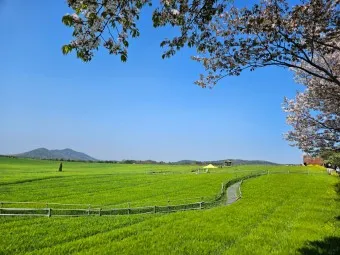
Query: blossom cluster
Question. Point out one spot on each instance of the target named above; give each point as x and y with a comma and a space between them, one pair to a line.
314, 114
271, 33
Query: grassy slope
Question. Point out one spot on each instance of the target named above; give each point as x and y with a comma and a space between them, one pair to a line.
278, 214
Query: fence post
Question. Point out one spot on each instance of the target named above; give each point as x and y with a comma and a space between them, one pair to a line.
88, 210
168, 205
100, 211
49, 212
0, 207
129, 208
200, 205
268, 172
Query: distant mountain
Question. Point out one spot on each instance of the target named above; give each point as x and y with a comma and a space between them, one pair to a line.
68, 154
65, 154
219, 162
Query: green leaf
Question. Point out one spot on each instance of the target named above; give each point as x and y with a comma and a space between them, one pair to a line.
66, 49
123, 58
67, 20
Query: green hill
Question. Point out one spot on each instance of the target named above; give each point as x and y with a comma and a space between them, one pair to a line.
65, 154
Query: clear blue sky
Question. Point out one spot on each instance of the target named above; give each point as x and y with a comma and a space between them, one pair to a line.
147, 108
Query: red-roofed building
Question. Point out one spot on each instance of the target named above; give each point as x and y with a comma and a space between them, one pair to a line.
309, 160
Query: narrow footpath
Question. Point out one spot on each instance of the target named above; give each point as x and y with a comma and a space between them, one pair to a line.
232, 193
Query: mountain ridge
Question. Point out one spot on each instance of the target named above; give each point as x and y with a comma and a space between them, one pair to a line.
65, 154
69, 154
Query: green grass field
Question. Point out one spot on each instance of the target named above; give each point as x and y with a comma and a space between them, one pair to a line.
278, 213
110, 185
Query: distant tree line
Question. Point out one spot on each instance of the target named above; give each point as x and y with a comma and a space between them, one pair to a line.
79, 160
7, 156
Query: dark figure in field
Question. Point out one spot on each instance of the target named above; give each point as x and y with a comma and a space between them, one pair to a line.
61, 167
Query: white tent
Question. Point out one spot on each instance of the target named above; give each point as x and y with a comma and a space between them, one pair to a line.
210, 166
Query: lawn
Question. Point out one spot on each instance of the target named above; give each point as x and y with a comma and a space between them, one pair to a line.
278, 213
107, 185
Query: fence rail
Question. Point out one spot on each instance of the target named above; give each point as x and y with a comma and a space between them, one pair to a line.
91, 210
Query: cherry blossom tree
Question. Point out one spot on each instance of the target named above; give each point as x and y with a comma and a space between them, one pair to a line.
271, 33
315, 112
228, 39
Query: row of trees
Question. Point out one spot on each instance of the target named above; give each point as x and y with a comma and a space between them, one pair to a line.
229, 40
7, 156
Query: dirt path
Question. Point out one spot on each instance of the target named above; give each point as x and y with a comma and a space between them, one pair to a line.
232, 193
